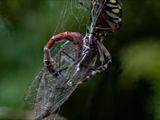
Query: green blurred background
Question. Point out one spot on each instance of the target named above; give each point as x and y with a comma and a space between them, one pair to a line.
128, 90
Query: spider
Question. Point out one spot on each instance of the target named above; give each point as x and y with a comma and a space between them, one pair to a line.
106, 17
77, 58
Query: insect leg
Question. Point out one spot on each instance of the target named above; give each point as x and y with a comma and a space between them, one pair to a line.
71, 36
76, 60
62, 52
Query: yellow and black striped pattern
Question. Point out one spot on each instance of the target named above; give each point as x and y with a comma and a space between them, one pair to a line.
106, 14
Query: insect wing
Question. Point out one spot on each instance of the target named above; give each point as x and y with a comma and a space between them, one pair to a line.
31, 96
53, 98
43, 91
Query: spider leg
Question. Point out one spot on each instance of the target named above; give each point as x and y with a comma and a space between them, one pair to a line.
87, 67
84, 6
98, 70
112, 29
71, 36
101, 55
105, 51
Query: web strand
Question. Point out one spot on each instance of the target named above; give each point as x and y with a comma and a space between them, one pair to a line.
73, 16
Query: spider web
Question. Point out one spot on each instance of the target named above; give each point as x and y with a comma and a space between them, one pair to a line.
73, 16
42, 91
